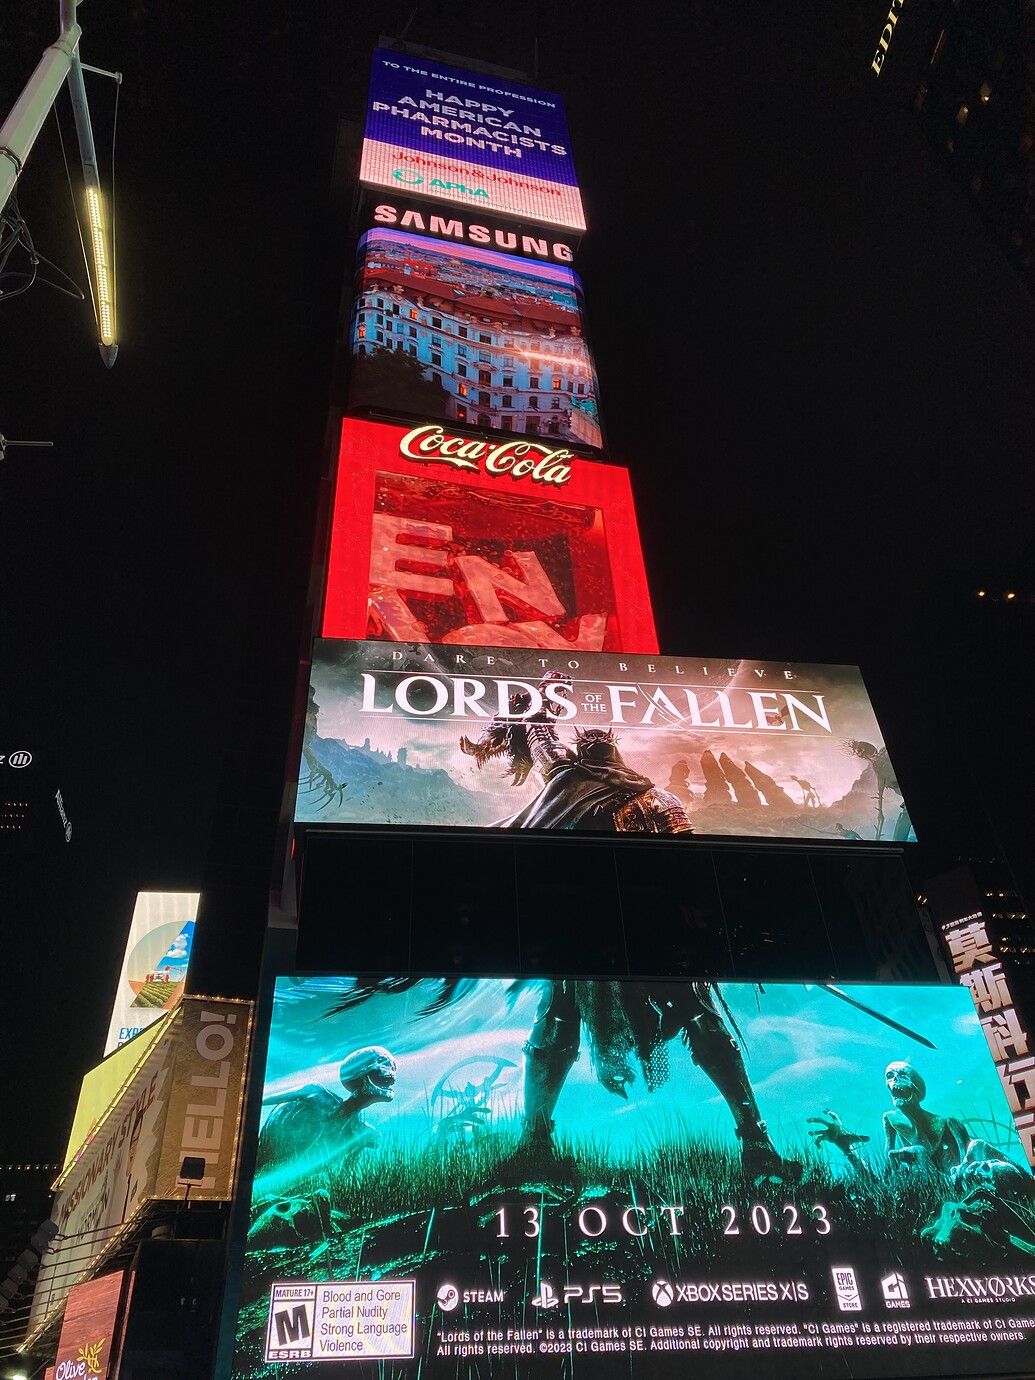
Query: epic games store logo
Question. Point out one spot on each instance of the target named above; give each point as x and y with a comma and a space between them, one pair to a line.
846, 1286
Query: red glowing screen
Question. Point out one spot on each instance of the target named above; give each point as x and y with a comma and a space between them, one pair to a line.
474, 539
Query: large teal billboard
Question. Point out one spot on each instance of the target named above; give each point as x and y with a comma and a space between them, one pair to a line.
574, 1177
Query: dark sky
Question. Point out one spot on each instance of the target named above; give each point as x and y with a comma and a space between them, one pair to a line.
812, 358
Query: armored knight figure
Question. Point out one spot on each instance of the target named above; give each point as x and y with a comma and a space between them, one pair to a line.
628, 1022
316, 1123
588, 788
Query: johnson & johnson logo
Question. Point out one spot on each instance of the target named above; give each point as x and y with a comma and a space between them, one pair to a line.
429, 445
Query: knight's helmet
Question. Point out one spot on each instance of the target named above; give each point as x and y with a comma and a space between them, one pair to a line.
597, 745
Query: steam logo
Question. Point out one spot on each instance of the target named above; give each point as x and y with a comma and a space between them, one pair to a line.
546, 1298
21, 758
663, 1293
447, 1297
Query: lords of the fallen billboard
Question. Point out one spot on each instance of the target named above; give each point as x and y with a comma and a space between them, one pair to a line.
572, 1177
604, 743
468, 138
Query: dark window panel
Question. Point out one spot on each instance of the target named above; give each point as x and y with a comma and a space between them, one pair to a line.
773, 917
464, 907
672, 913
354, 910
569, 909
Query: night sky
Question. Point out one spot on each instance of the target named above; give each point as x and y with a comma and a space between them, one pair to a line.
812, 357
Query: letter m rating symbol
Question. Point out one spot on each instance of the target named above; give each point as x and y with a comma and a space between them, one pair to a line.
290, 1333
293, 1325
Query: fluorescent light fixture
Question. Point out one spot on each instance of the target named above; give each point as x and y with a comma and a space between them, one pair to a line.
102, 267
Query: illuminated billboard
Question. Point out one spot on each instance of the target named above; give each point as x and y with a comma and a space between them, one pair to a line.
104, 1085
511, 738
154, 966
471, 335
89, 1340
463, 538
182, 1099
479, 141
529, 1177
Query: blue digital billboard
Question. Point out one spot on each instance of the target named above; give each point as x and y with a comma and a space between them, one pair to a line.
472, 139
515, 1178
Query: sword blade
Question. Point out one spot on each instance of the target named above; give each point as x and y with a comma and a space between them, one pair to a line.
877, 1015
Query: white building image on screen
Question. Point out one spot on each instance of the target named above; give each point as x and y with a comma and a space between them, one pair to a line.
505, 345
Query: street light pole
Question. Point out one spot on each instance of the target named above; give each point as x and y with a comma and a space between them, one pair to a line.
18, 133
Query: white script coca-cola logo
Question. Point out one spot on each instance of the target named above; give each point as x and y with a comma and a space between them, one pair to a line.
429, 445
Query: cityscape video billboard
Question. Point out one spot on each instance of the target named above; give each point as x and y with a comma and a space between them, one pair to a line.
475, 140
562, 1177
465, 538
467, 333
512, 738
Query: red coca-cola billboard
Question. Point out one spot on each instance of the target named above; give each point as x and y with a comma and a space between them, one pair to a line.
469, 538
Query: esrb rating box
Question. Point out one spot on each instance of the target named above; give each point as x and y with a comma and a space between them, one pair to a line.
336, 1320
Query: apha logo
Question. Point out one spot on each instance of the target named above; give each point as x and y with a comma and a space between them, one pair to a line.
429, 445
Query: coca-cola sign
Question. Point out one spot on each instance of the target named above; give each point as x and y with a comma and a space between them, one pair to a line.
430, 445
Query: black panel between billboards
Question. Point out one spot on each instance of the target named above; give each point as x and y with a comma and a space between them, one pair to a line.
488, 905
796, 1181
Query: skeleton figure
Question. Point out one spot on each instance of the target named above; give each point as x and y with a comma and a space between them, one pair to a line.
590, 788
914, 1136
317, 1123
634, 1021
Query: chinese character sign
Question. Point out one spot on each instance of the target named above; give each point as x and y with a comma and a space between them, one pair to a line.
979, 968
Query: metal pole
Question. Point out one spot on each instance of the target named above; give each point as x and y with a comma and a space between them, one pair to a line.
22, 126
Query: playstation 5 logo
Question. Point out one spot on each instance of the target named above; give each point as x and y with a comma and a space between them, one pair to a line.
546, 1297
575, 1293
